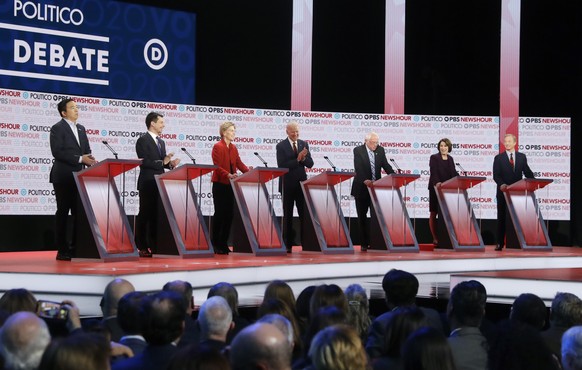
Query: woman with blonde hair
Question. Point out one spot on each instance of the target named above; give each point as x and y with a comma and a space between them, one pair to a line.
338, 347
358, 310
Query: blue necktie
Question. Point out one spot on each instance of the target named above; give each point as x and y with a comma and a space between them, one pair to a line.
159, 145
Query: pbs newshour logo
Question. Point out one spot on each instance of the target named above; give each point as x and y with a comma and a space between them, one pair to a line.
155, 54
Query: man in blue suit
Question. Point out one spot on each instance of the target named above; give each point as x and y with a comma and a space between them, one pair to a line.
508, 168
151, 149
293, 154
71, 151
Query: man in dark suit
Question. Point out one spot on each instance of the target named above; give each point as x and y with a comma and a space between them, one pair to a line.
508, 168
71, 151
293, 154
369, 160
151, 149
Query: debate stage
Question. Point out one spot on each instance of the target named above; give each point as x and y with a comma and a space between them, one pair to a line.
505, 274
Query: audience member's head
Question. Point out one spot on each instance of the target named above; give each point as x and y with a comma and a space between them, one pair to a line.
325, 317
228, 292
87, 351
529, 309
281, 323
23, 339
162, 315
276, 306
400, 288
215, 318
358, 309
16, 300
328, 295
260, 346
116, 289
184, 289
405, 321
566, 310
338, 347
427, 349
198, 357
302, 303
467, 304
128, 310
278, 289
572, 349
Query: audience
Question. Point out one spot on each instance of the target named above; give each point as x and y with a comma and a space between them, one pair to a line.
260, 346
572, 349
228, 292
15, 300
358, 310
566, 312
276, 306
23, 339
129, 320
184, 289
282, 324
86, 351
328, 295
199, 357
529, 309
338, 347
427, 349
111, 296
215, 319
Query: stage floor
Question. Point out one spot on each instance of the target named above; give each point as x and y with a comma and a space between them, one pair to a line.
84, 281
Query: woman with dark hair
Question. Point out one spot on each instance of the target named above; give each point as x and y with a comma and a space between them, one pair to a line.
277, 306
278, 289
427, 349
15, 300
328, 295
87, 351
442, 168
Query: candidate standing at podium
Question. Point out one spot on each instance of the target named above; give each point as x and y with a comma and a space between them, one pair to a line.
442, 168
151, 149
293, 154
72, 152
508, 168
225, 156
369, 160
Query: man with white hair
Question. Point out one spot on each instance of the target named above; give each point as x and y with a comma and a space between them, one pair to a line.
260, 346
23, 339
369, 160
215, 319
572, 349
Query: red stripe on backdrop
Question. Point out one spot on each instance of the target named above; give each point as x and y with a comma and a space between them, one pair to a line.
394, 57
302, 41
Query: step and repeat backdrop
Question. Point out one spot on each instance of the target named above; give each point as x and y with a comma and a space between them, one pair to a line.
409, 140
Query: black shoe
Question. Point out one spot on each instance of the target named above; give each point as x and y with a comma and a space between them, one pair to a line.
289, 250
63, 256
145, 253
221, 251
364, 248
499, 247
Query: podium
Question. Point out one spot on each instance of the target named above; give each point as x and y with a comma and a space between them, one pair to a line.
255, 224
103, 229
527, 230
462, 232
325, 230
183, 231
389, 215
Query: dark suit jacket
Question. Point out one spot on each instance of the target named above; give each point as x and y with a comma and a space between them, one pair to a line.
112, 325
504, 174
469, 349
152, 358
364, 170
137, 345
226, 157
152, 162
67, 151
286, 158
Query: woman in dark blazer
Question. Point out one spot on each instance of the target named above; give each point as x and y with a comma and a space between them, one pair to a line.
442, 168
225, 156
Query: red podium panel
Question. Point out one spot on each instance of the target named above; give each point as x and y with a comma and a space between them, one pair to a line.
256, 217
462, 230
389, 215
188, 233
104, 230
326, 230
528, 230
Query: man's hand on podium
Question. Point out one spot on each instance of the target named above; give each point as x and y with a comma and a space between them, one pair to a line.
88, 160
503, 187
368, 182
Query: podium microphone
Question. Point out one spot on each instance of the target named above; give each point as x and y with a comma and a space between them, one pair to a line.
395, 165
261, 158
461, 168
110, 148
331, 164
189, 155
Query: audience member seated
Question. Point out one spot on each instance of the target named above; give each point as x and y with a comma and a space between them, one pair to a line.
184, 289
276, 306
282, 324
199, 357
228, 292
328, 295
215, 319
128, 316
111, 296
23, 339
529, 309
427, 349
572, 349
16, 300
338, 347
86, 351
302, 307
260, 346
403, 322
465, 311
278, 289
162, 315
358, 310
400, 288
565, 313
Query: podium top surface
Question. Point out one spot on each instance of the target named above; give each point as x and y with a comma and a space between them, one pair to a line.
188, 172
261, 174
529, 185
109, 168
462, 182
395, 180
329, 178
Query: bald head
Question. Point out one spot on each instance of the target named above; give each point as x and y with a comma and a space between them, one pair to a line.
23, 339
260, 345
112, 294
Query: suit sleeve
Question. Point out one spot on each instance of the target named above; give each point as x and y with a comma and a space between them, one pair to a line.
240, 165
285, 160
385, 165
86, 149
141, 149
307, 161
59, 149
497, 170
527, 172
376, 339
216, 158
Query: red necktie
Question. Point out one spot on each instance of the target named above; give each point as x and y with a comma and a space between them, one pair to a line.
511, 161
295, 148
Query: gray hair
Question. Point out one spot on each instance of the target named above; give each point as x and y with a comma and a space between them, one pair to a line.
572, 348
358, 309
371, 135
215, 317
281, 323
566, 310
23, 340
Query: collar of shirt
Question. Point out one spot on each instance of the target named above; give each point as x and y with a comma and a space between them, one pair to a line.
508, 153
370, 152
153, 135
132, 337
291, 143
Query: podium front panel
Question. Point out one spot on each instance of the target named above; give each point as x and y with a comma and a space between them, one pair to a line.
527, 221
260, 214
461, 215
394, 218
